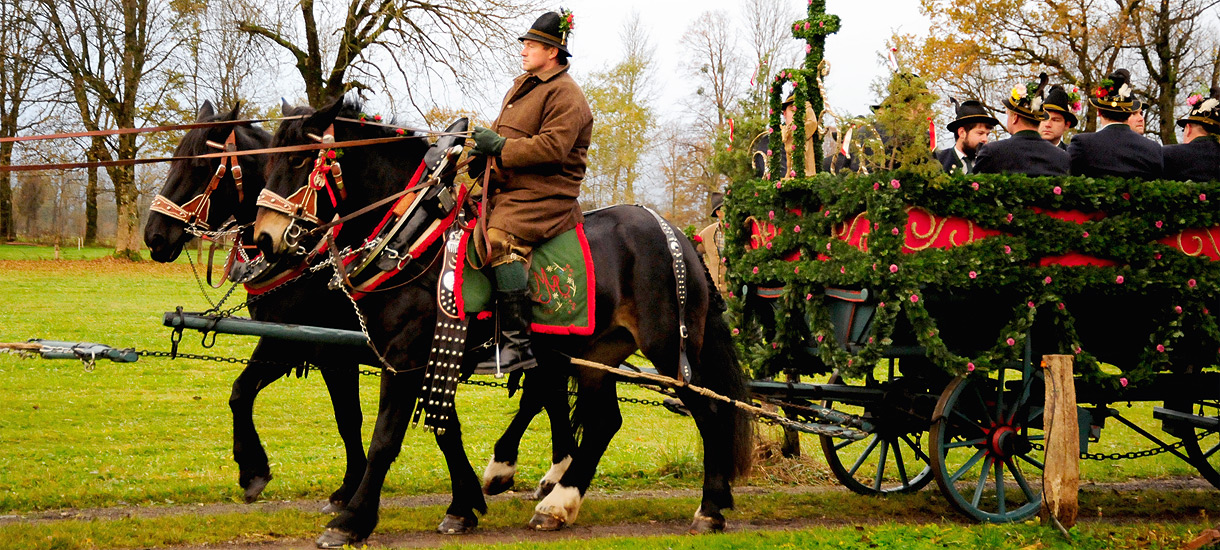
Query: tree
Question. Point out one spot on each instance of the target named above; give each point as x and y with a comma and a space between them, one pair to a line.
107, 52
31, 193
620, 98
716, 66
1171, 36
462, 36
20, 51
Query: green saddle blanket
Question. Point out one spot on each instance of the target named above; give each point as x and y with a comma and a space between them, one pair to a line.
561, 283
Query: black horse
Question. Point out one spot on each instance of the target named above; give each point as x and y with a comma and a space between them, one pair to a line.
305, 301
637, 308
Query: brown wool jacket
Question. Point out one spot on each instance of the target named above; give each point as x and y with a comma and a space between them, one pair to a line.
548, 125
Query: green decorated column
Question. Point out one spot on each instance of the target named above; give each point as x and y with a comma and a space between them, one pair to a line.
808, 87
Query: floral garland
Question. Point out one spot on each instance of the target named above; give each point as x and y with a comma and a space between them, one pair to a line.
808, 212
567, 23
1074, 99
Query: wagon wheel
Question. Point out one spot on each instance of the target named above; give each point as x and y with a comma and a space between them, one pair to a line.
891, 459
983, 443
1202, 445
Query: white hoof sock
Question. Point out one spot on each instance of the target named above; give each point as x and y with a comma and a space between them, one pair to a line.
563, 503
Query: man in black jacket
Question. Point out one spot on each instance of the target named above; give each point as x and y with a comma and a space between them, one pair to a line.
972, 130
1115, 149
1025, 152
1061, 106
1198, 156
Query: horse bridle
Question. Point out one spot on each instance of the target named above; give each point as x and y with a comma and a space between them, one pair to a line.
302, 204
195, 212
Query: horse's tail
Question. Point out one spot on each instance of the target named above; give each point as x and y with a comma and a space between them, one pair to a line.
721, 371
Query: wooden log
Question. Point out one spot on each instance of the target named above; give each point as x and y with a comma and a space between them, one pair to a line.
1061, 478
791, 446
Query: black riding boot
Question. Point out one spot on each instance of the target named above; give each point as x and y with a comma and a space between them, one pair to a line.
514, 312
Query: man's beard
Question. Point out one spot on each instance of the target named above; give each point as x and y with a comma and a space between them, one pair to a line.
969, 150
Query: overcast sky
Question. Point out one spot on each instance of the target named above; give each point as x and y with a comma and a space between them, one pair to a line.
852, 52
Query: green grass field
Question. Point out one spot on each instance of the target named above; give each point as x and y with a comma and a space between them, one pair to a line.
158, 431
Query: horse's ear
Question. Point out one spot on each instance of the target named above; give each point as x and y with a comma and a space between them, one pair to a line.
285, 108
233, 114
206, 110
324, 117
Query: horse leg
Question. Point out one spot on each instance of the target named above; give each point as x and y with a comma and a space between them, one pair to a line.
343, 383
254, 472
467, 494
358, 519
502, 468
598, 414
563, 442
711, 419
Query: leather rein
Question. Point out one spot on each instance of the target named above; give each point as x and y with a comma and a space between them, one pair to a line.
194, 213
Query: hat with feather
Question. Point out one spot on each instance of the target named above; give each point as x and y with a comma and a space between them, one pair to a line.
1204, 110
1114, 93
1027, 99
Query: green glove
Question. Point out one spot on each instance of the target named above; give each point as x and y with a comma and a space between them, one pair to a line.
487, 142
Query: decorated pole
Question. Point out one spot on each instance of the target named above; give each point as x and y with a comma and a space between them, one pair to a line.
807, 88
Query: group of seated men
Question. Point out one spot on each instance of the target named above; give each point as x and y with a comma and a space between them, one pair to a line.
1037, 120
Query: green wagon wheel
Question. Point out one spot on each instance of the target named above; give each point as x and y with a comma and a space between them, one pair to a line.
983, 438
1202, 445
890, 460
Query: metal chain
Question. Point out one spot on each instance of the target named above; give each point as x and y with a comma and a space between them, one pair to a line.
1128, 455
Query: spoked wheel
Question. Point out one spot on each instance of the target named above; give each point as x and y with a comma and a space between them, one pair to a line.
891, 459
983, 439
1202, 445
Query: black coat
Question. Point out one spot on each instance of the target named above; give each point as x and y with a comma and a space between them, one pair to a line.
1115, 150
950, 161
1023, 153
1198, 160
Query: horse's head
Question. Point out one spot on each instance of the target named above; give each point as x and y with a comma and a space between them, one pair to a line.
197, 194
309, 188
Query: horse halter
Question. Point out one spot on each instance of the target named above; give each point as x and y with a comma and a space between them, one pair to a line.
195, 212
303, 203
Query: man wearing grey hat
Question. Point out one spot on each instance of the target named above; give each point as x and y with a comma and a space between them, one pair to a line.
1197, 158
537, 151
1115, 150
1025, 152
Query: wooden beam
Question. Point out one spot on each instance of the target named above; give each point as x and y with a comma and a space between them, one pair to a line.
1061, 478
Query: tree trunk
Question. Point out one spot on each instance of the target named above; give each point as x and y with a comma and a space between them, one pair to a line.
91, 192
127, 229
7, 227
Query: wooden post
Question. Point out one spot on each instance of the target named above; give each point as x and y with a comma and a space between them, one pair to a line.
791, 446
1061, 478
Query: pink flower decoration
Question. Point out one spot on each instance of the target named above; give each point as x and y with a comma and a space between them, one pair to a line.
843, 270
771, 214
1122, 382
806, 25
768, 246
914, 298
1076, 350
774, 345
377, 118
881, 305
1060, 305
1047, 280
731, 295
820, 337
1031, 305
975, 186
1007, 249
330, 154
756, 270
1202, 197
1194, 99
736, 332
796, 229
1160, 348
1008, 218
893, 268
973, 275
876, 186
895, 184
1126, 196
1057, 190
808, 47
770, 152
1157, 256
1177, 309
827, 246
808, 297
779, 185
826, 213
1119, 279
792, 173
796, 270
1158, 224
1010, 341
1192, 283
969, 367
894, 231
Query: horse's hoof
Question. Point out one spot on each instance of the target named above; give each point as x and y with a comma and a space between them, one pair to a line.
544, 489
333, 507
497, 485
457, 525
337, 538
704, 524
545, 522
255, 487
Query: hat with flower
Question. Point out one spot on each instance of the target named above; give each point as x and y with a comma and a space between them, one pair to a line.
1114, 93
1027, 99
552, 29
970, 112
1064, 102
1204, 110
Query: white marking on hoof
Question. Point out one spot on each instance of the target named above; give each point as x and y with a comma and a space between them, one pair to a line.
498, 471
563, 503
556, 472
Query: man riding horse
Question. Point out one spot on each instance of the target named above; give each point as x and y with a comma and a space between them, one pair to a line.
536, 151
